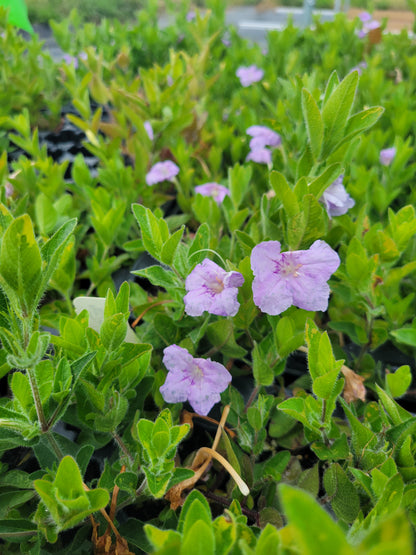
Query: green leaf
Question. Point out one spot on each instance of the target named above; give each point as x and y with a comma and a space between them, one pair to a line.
221, 335
338, 450
154, 230
18, 14
21, 266
113, 331
337, 110
22, 393
323, 386
239, 181
363, 438
397, 413
225, 531
399, 381
344, 497
390, 535
199, 243
331, 85
196, 508
268, 542
362, 121
245, 241
116, 407
295, 407
199, 540
315, 532
12, 499
159, 276
65, 497
17, 529
318, 185
170, 246
405, 335
53, 250
284, 193
262, 372
157, 484
127, 481
389, 501
169, 540
45, 213
314, 123
95, 307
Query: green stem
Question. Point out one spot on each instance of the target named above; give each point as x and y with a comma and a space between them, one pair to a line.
37, 400
69, 305
54, 444
141, 488
323, 418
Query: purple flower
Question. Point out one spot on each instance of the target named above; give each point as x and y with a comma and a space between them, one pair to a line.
369, 24
296, 278
162, 171
211, 288
197, 380
215, 190
387, 155
373, 24
149, 130
263, 136
249, 75
260, 155
68, 59
359, 67
336, 199
365, 17
190, 16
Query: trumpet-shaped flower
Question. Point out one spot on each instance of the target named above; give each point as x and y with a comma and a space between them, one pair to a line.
215, 190
197, 380
336, 199
162, 171
387, 155
263, 136
249, 75
298, 278
211, 288
260, 155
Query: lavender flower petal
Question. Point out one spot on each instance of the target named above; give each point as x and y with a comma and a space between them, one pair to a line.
336, 199
149, 130
249, 75
294, 277
215, 190
162, 171
387, 156
260, 155
212, 289
263, 136
365, 16
200, 381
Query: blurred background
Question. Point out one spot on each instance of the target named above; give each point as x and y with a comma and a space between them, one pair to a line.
40, 11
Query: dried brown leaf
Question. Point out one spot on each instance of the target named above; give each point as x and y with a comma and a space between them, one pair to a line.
354, 387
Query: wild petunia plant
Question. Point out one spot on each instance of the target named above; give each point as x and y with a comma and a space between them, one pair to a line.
154, 400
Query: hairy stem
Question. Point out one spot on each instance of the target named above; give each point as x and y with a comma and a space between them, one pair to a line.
54, 444
122, 446
37, 400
